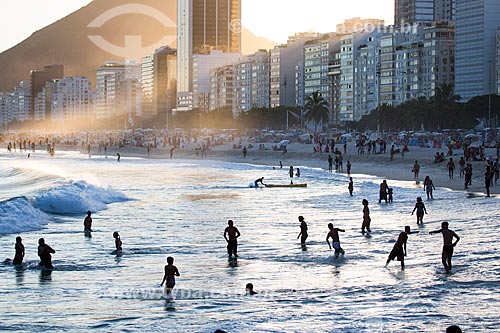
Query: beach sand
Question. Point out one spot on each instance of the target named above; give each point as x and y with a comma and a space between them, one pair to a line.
300, 155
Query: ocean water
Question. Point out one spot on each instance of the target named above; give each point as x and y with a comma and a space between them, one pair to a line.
180, 208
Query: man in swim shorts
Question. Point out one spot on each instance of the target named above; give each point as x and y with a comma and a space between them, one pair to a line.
448, 245
399, 249
334, 235
231, 234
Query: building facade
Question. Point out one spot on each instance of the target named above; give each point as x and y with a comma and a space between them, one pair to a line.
284, 60
412, 11
221, 88
477, 22
71, 98
202, 64
118, 89
251, 82
498, 63
203, 26
38, 78
159, 85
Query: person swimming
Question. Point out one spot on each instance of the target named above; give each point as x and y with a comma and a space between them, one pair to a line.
249, 289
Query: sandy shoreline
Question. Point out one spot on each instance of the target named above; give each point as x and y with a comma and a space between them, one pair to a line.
300, 155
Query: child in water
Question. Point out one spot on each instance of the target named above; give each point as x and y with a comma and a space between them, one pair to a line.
170, 273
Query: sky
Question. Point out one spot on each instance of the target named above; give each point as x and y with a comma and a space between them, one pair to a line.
272, 19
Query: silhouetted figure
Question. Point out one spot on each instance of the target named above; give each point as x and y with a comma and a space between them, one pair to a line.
118, 242
118, 157
366, 217
87, 224
350, 187
19, 247
249, 289
420, 208
453, 329
448, 244
399, 249
303, 231
257, 181
231, 234
334, 235
44, 252
170, 273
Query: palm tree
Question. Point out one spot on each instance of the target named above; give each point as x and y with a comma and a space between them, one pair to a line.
445, 95
316, 108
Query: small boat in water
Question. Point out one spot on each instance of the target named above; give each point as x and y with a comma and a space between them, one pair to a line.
286, 185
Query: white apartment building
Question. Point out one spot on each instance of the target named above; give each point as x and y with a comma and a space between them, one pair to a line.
365, 89
70, 98
251, 82
202, 64
117, 89
221, 88
284, 60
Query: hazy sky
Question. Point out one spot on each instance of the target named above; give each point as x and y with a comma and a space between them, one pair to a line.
273, 19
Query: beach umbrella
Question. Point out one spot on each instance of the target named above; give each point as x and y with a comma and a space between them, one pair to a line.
284, 142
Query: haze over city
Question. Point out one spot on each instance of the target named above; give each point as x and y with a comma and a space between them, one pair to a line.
272, 19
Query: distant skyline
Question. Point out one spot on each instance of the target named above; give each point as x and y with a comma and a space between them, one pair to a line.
22, 17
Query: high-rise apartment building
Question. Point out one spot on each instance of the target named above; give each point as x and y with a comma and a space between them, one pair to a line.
283, 63
251, 82
159, 85
71, 98
221, 88
498, 62
118, 89
411, 11
38, 78
203, 26
202, 64
475, 55
318, 55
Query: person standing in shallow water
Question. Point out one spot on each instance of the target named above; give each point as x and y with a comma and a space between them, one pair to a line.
291, 174
429, 187
399, 249
18, 258
416, 170
44, 252
303, 231
448, 246
334, 235
366, 217
87, 224
350, 187
118, 242
231, 234
170, 273
420, 208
